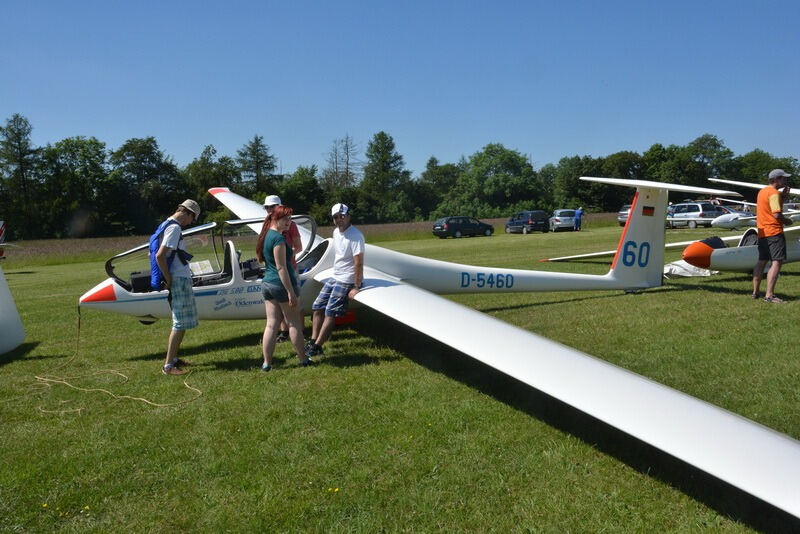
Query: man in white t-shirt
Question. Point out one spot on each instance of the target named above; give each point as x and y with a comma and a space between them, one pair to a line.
174, 265
343, 286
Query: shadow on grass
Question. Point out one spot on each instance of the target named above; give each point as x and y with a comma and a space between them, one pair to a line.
231, 343
713, 492
19, 272
20, 352
548, 303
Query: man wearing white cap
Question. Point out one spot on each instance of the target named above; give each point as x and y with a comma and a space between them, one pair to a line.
292, 237
770, 221
173, 262
347, 279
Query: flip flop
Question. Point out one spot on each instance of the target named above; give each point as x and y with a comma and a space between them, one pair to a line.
775, 300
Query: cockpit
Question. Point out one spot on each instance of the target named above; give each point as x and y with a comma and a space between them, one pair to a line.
235, 241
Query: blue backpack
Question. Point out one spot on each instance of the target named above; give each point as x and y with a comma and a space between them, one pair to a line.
156, 276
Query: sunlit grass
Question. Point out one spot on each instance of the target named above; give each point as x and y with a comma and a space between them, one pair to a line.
392, 431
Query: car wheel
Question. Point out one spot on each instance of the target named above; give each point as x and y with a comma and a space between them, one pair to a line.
692, 225
487, 233
442, 237
508, 230
457, 234
525, 230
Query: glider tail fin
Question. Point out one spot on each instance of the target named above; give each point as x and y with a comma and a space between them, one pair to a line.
639, 260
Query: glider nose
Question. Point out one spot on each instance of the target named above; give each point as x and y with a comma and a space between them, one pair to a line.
698, 254
103, 292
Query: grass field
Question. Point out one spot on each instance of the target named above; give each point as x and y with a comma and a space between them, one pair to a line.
392, 431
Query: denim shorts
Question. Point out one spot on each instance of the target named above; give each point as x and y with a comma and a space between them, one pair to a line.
333, 298
277, 292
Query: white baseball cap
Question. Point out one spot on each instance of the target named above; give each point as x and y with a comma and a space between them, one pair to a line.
272, 200
339, 208
774, 174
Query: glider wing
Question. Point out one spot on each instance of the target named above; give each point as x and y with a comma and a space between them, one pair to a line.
745, 454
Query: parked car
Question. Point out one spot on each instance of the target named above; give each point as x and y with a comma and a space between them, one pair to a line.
694, 214
622, 216
525, 222
562, 219
460, 226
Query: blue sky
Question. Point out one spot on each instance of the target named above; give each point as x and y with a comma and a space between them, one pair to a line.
443, 78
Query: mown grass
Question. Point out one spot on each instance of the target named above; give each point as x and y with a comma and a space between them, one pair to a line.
392, 431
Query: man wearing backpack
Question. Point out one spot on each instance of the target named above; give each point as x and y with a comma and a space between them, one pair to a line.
173, 263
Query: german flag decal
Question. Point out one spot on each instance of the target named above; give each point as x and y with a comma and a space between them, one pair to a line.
648, 211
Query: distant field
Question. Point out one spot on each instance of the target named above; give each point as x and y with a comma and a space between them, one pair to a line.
59, 251
392, 431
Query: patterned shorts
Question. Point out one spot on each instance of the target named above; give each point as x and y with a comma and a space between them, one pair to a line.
184, 311
333, 298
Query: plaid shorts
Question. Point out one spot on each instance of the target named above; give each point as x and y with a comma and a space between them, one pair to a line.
333, 298
184, 311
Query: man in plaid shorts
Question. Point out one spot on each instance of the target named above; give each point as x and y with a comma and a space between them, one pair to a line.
348, 277
173, 262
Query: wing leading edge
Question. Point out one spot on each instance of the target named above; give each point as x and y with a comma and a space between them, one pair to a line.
743, 453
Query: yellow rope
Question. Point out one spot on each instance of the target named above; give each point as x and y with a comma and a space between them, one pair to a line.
49, 381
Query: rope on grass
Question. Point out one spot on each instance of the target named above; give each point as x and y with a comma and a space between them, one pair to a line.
46, 382
58, 380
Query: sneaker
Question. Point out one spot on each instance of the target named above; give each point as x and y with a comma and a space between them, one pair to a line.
282, 336
266, 367
314, 350
308, 363
172, 370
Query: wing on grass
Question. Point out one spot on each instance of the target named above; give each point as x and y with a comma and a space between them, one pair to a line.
745, 454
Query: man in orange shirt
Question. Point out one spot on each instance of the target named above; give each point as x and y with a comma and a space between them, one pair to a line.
770, 221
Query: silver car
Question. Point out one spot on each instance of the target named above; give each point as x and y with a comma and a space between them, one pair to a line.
562, 220
693, 214
622, 216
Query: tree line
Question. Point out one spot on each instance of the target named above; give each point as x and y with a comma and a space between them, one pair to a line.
77, 187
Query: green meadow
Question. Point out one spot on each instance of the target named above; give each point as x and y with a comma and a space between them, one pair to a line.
392, 431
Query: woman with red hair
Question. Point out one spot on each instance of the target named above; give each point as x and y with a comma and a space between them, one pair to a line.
280, 286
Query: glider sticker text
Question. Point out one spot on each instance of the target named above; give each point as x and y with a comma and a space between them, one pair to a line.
491, 280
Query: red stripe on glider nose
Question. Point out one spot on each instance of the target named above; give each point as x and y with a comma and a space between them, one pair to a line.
104, 294
215, 190
698, 254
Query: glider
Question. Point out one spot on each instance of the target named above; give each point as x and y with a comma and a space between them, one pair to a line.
755, 459
711, 254
12, 333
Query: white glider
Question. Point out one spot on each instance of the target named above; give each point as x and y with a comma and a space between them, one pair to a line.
12, 333
755, 459
792, 190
